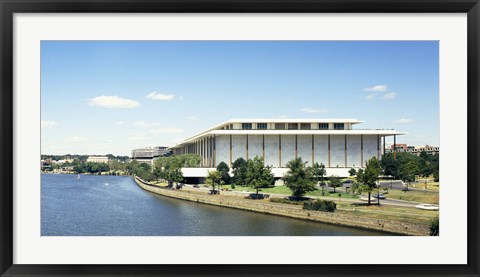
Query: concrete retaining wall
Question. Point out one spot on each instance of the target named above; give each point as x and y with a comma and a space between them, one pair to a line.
293, 211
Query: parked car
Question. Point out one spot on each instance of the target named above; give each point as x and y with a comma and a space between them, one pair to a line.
381, 196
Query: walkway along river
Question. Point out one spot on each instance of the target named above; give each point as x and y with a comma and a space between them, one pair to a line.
288, 210
115, 206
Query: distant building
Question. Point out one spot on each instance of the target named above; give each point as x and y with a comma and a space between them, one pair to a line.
97, 159
62, 161
149, 154
415, 150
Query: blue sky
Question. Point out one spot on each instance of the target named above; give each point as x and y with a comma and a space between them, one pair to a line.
100, 97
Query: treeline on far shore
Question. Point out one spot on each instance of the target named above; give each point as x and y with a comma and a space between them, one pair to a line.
81, 158
77, 164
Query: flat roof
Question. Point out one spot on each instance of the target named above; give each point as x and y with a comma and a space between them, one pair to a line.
278, 120
213, 131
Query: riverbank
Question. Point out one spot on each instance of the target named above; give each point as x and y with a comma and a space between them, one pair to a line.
292, 211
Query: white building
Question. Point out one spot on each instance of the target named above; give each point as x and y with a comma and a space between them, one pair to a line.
332, 142
97, 159
148, 154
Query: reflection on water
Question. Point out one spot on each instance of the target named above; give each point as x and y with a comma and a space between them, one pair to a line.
116, 206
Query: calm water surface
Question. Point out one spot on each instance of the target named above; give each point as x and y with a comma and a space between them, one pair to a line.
116, 206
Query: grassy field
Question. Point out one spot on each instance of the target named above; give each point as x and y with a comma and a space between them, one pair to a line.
286, 191
401, 214
435, 186
406, 215
159, 183
413, 195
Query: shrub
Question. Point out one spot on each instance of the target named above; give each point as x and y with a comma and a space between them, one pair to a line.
320, 205
285, 201
434, 227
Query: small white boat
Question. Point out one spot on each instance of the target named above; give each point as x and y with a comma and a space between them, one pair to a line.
429, 207
78, 176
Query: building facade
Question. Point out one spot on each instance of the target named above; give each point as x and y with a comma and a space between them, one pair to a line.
97, 159
148, 155
333, 142
415, 150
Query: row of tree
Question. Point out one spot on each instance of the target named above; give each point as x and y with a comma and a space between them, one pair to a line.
90, 167
81, 158
406, 166
164, 168
251, 173
167, 168
300, 178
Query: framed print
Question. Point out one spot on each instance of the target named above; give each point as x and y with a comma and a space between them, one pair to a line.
244, 138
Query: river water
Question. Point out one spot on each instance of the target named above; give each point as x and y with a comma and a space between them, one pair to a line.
115, 206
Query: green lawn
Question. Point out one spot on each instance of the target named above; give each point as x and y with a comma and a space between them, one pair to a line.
286, 191
414, 195
435, 186
400, 214
159, 183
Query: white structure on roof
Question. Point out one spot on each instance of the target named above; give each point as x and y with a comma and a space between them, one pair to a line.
332, 142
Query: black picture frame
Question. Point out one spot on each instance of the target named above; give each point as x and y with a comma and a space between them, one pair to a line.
9, 7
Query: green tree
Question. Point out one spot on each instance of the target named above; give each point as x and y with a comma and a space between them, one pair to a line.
258, 175
425, 164
390, 165
173, 171
435, 227
299, 178
352, 172
239, 169
189, 160
335, 182
368, 178
214, 179
132, 167
436, 175
224, 171
117, 166
407, 172
318, 171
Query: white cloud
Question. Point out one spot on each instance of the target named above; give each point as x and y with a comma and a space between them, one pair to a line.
137, 136
145, 124
371, 96
160, 96
111, 102
389, 95
75, 139
311, 110
48, 124
403, 121
193, 118
166, 130
120, 122
377, 88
